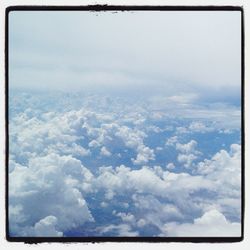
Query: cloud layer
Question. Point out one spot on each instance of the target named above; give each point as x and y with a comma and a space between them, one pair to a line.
176, 52
120, 170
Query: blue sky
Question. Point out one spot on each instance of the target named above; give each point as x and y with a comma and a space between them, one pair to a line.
133, 116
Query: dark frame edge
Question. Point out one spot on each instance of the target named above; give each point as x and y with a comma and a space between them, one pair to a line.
242, 123
6, 54
105, 7
36, 240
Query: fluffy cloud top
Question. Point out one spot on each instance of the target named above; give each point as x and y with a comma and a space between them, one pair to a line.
48, 186
66, 166
46, 227
188, 153
210, 224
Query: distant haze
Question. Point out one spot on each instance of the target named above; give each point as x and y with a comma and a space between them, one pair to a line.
170, 51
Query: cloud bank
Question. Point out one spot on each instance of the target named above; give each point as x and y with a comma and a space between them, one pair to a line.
92, 172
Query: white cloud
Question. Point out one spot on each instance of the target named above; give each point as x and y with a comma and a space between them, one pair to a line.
109, 195
133, 138
170, 166
154, 195
224, 170
58, 134
129, 218
144, 155
154, 129
150, 181
194, 36
104, 204
182, 99
172, 141
94, 144
199, 127
159, 148
184, 184
187, 159
52, 179
223, 162
188, 153
145, 180
181, 130
141, 223
118, 230
105, 152
188, 147
196, 127
153, 211
46, 227
211, 224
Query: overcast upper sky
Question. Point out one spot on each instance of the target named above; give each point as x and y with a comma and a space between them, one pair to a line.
126, 50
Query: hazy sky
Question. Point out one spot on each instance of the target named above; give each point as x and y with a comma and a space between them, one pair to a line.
126, 50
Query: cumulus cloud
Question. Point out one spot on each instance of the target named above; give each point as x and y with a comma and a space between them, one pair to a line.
46, 227
224, 170
144, 155
211, 224
171, 141
141, 223
199, 127
54, 182
134, 139
105, 152
165, 184
58, 134
129, 218
153, 211
187, 159
94, 144
48, 186
170, 166
123, 230
222, 162
188, 153
154, 129
188, 147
